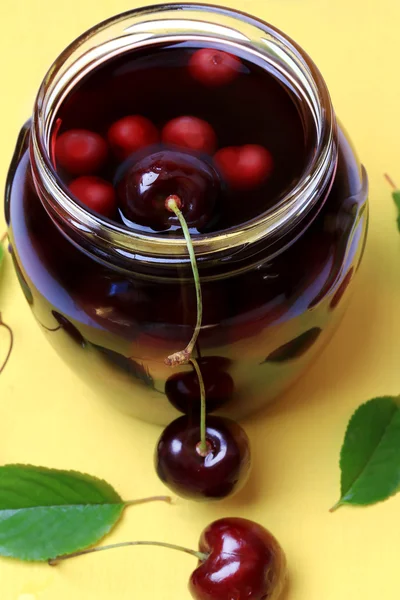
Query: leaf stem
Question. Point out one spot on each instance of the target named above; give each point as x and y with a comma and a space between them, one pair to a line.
167, 499
200, 555
10, 348
336, 506
203, 449
173, 204
3, 237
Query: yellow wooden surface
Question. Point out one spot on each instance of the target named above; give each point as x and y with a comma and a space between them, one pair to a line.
48, 417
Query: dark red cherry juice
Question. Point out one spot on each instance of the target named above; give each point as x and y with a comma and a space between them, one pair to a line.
220, 110
229, 138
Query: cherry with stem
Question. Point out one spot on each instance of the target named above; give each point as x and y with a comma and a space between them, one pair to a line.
173, 203
254, 567
218, 464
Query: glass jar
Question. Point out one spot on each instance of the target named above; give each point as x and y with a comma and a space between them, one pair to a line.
114, 302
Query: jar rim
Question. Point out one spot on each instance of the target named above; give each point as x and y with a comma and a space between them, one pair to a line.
272, 45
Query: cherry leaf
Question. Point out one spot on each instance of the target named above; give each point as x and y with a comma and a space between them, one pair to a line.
370, 455
46, 513
396, 198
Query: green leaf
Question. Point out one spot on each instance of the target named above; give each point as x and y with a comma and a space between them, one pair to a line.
46, 513
396, 198
370, 455
1, 254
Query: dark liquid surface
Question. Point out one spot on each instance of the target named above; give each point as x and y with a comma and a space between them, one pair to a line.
254, 108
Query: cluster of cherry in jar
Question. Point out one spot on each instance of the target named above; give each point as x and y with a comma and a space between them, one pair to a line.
143, 165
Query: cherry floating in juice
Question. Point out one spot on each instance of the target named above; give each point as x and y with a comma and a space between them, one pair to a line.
229, 153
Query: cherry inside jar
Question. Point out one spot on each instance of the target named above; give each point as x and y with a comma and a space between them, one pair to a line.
272, 191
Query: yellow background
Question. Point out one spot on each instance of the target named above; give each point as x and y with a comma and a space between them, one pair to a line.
48, 417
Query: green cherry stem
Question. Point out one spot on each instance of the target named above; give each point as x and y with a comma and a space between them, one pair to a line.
200, 555
173, 204
10, 347
202, 445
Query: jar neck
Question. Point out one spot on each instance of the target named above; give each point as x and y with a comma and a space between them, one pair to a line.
136, 29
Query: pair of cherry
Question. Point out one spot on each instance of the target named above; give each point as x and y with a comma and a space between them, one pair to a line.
179, 461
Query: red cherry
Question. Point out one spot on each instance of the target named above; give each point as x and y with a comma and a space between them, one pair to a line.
129, 134
244, 167
80, 151
187, 472
190, 132
214, 67
238, 560
95, 193
244, 562
183, 390
145, 183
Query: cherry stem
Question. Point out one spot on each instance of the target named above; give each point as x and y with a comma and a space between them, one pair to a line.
2, 324
182, 357
203, 441
200, 555
390, 181
150, 499
51, 328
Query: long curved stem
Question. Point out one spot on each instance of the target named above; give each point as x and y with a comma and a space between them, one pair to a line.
202, 447
182, 357
10, 348
200, 555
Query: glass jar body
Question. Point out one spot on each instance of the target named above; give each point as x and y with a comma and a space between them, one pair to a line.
266, 317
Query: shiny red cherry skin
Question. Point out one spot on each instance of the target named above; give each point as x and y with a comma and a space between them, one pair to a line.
80, 151
190, 132
222, 472
131, 133
183, 390
214, 67
245, 562
244, 167
145, 183
95, 193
